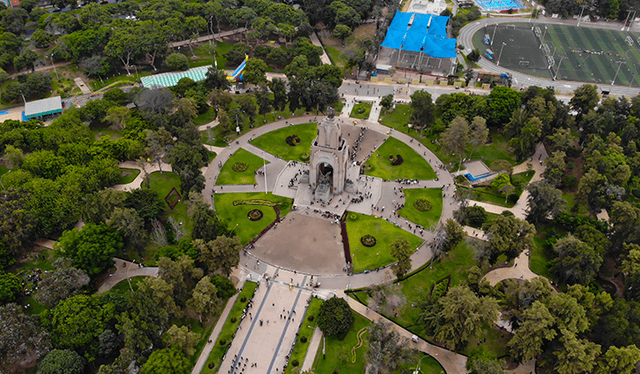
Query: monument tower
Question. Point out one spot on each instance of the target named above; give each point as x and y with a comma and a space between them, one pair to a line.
329, 157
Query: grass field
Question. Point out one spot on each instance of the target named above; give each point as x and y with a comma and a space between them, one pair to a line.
590, 54
306, 332
338, 355
229, 328
361, 110
424, 219
162, 183
275, 141
413, 167
369, 258
128, 175
230, 176
237, 215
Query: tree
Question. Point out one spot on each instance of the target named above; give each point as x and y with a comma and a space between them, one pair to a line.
386, 349
463, 314
222, 253
423, 109
160, 143
503, 101
77, 322
335, 316
216, 79
109, 343
484, 365
125, 45
469, 74
204, 299
585, 98
509, 236
454, 234
186, 161
621, 360
279, 89
9, 287
166, 361
61, 361
224, 286
401, 250
456, 137
41, 38
180, 274
263, 100
387, 102
255, 71
177, 61
91, 248
544, 202
21, 337
625, 219
554, 168
575, 355
59, 285
181, 339
577, 262
560, 140
478, 133
534, 332
248, 107
131, 225
93, 66
26, 60
117, 116
527, 137
342, 32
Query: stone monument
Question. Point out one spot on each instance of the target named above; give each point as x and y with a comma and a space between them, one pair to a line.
329, 157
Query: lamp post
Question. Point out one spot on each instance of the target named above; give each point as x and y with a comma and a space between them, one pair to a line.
264, 166
500, 55
580, 18
494, 33
2, 184
233, 228
54, 66
543, 35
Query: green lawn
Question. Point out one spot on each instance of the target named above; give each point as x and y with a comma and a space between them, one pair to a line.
338, 356
229, 328
128, 175
413, 166
205, 117
425, 219
237, 215
306, 331
99, 131
123, 286
397, 118
336, 56
455, 263
428, 365
369, 258
162, 183
361, 110
230, 176
275, 142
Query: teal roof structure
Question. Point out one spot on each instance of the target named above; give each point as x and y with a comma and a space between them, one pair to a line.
171, 79
43, 107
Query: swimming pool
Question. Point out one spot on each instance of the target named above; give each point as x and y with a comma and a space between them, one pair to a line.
498, 5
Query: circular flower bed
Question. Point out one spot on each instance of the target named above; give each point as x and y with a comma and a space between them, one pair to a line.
292, 140
303, 339
255, 215
223, 342
239, 167
295, 363
368, 241
396, 160
422, 205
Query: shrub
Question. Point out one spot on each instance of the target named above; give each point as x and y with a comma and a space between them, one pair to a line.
177, 61
569, 182
423, 205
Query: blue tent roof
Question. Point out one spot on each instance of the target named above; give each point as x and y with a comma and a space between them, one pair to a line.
428, 33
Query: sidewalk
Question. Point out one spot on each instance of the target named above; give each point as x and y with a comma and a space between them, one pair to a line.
123, 272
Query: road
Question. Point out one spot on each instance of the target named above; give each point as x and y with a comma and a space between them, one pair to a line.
524, 80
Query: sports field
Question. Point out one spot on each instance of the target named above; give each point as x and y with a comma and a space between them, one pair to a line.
586, 54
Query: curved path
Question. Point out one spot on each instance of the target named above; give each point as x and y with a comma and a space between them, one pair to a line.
123, 272
524, 80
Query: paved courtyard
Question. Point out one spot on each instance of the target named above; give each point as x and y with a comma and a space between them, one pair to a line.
306, 243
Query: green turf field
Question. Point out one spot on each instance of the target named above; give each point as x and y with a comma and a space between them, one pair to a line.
587, 54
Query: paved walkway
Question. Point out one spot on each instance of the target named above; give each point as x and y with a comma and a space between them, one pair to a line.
124, 270
316, 41
137, 182
452, 362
